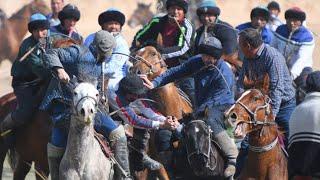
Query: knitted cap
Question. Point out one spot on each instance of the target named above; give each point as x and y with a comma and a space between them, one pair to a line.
38, 21
211, 46
208, 6
132, 84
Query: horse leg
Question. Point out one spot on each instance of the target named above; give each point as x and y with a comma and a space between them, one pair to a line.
22, 169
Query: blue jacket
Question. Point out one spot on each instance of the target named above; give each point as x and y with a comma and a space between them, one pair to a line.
266, 33
76, 61
60, 29
212, 87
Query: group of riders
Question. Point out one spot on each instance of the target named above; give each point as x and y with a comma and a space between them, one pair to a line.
204, 64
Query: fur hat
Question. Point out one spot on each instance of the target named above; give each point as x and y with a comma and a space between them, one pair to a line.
313, 82
111, 14
181, 3
273, 5
260, 11
38, 21
211, 46
132, 84
208, 6
295, 13
69, 11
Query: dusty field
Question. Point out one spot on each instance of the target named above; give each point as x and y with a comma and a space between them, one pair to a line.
233, 11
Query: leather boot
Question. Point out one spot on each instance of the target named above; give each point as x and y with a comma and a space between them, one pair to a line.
119, 145
166, 159
55, 155
230, 151
6, 125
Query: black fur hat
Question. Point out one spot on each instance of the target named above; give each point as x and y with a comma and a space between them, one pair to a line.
69, 12
181, 3
111, 14
295, 13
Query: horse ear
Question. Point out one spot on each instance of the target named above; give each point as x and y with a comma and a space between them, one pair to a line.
159, 40
265, 85
73, 82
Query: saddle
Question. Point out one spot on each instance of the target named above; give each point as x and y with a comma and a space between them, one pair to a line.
104, 145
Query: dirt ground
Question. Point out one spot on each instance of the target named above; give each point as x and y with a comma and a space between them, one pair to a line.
232, 11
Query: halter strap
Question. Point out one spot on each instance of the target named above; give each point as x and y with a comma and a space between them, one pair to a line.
265, 148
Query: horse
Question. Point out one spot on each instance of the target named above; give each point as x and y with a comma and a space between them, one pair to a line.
15, 28
251, 114
198, 155
91, 162
31, 140
141, 15
170, 102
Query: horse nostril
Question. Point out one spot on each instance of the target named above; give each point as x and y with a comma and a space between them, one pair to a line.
91, 110
82, 112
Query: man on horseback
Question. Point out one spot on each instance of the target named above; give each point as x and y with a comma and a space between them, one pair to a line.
262, 60
208, 13
66, 62
274, 21
176, 33
56, 7
142, 117
295, 42
68, 16
29, 74
259, 18
214, 81
112, 21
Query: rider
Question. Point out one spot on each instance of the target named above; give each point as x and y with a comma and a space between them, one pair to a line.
259, 18
68, 62
274, 21
261, 60
68, 17
142, 116
177, 34
56, 7
214, 81
29, 74
295, 42
209, 13
112, 20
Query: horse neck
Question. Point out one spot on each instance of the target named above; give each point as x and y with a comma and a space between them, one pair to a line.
269, 134
80, 141
18, 22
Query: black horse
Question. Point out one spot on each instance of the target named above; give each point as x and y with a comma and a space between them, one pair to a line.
198, 156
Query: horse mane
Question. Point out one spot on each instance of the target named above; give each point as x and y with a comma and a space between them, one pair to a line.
64, 42
262, 84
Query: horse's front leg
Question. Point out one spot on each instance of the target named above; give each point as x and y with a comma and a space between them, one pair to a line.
22, 169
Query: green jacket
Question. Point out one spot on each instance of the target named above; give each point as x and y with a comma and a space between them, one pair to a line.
31, 68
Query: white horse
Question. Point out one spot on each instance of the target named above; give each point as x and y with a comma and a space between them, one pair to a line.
83, 158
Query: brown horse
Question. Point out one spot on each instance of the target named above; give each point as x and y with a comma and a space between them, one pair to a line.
141, 15
252, 115
170, 102
15, 28
31, 139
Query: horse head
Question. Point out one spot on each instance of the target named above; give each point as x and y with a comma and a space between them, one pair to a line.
141, 15
251, 112
149, 62
39, 6
85, 102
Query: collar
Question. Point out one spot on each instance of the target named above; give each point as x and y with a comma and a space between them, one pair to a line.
260, 50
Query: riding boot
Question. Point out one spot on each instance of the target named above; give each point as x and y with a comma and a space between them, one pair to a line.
120, 148
7, 124
55, 155
230, 151
140, 143
166, 159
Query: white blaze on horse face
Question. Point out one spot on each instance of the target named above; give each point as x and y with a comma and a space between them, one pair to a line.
85, 99
142, 50
240, 98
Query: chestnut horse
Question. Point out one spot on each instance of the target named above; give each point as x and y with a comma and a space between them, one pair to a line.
170, 101
15, 28
251, 114
30, 140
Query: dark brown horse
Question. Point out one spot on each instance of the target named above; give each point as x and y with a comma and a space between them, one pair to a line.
15, 28
252, 115
30, 140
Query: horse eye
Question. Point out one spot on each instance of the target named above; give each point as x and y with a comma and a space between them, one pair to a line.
75, 93
153, 54
97, 95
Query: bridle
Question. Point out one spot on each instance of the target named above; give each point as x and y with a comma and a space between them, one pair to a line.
153, 69
255, 122
95, 99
